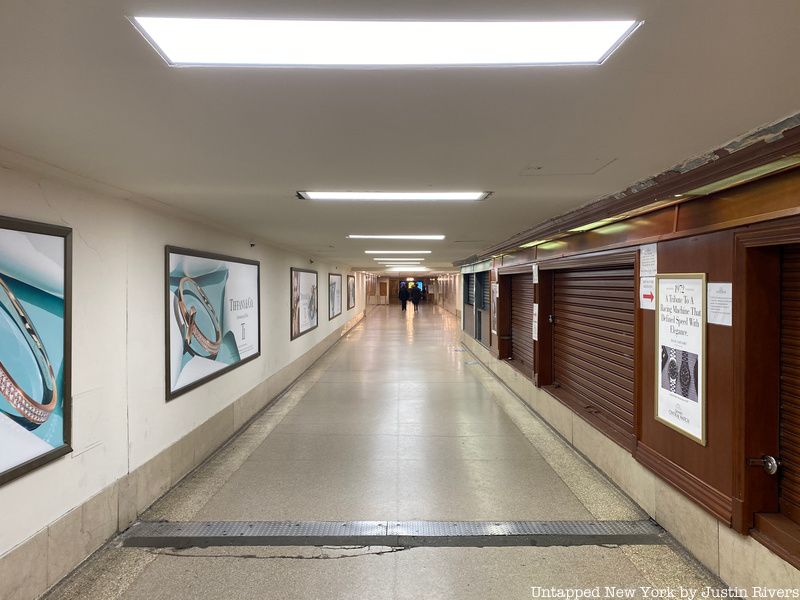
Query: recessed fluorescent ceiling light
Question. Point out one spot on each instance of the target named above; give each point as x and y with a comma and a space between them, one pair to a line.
408, 270
395, 196
397, 251
297, 43
395, 237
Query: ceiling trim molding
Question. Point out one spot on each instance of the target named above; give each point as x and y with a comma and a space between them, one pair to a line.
756, 148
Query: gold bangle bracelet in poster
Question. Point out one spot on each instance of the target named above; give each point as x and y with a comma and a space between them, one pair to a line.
32, 411
189, 318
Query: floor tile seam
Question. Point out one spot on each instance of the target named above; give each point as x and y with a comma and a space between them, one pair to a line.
547, 430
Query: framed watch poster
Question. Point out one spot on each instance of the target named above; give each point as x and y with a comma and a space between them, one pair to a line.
304, 302
213, 308
681, 353
35, 352
351, 291
334, 295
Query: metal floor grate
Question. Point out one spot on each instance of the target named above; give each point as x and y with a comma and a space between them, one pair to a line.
391, 533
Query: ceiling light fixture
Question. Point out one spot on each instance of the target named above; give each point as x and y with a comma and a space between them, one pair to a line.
408, 269
398, 258
187, 42
397, 251
395, 196
395, 237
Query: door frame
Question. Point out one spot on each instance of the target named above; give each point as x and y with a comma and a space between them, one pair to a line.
756, 385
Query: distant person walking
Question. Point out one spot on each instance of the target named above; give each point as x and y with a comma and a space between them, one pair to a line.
403, 295
416, 295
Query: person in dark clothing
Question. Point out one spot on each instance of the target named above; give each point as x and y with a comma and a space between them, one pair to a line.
403, 295
416, 295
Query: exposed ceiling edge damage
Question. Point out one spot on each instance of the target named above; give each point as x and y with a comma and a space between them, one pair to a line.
757, 147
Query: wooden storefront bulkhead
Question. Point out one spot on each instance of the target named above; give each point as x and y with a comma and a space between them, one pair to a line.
741, 236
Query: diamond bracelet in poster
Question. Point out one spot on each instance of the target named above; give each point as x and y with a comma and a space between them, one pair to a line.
213, 316
304, 307
680, 353
334, 295
351, 292
34, 345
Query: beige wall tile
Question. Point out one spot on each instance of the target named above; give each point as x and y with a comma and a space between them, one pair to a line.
692, 526
152, 480
554, 412
127, 507
80, 532
23, 574
744, 563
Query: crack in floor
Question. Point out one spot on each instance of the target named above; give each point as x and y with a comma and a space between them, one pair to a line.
321, 556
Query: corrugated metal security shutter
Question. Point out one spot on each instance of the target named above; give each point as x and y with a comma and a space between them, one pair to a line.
522, 320
790, 385
593, 343
485, 300
471, 288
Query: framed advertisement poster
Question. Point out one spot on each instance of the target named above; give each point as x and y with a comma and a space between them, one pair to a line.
351, 291
681, 353
213, 308
495, 296
35, 352
305, 301
334, 295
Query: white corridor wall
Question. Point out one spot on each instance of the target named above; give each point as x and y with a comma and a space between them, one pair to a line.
120, 418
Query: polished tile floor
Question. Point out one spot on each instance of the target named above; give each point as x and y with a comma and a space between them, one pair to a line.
396, 422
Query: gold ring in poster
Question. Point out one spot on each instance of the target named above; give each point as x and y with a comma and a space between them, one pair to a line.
32, 411
189, 318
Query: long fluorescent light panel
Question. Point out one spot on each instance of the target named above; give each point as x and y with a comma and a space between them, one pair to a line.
297, 43
397, 251
395, 237
395, 196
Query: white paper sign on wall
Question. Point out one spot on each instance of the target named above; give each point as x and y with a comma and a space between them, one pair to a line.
648, 260
720, 303
680, 354
647, 293
536, 322
535, 273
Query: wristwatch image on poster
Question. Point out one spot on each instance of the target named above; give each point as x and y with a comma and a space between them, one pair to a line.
304, 303
213, 319
334, 295
494, 297
34, 345
680, 353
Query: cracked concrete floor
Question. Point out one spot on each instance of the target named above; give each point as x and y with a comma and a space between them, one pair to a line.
395, 422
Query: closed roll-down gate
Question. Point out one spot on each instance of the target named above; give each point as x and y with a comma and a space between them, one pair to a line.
593, 345
522, 321
790, 385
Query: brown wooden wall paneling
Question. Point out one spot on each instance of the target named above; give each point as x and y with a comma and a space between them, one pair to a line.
522, 322
704, 473
593, 345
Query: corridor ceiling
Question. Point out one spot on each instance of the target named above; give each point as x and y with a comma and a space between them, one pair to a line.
81, 89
